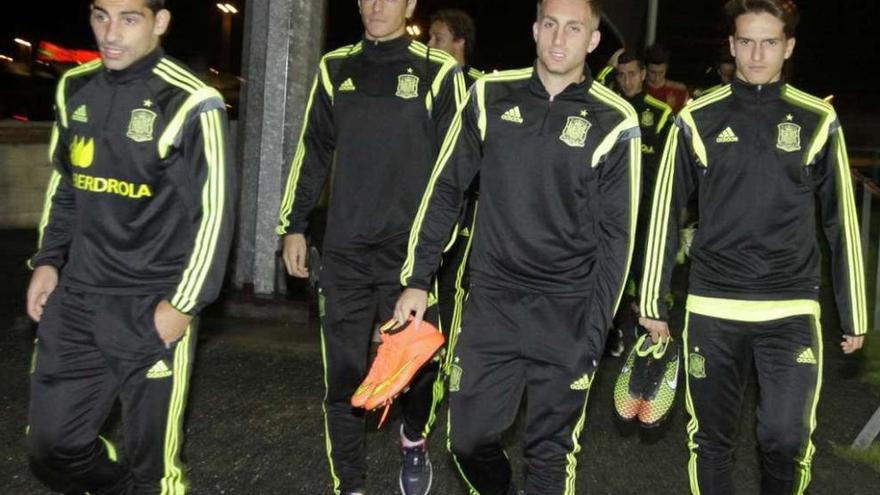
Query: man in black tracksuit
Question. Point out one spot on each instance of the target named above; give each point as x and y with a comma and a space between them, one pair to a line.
558, 158
138, 221
381, 106
654, 119
453, 31
763, 156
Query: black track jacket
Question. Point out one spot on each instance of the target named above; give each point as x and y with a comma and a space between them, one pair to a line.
762, 159
141, 198
559, 189
383, 108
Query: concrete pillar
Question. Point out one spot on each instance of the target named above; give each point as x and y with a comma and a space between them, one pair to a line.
283, 41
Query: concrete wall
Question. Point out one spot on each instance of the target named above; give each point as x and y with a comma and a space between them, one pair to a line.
24, 174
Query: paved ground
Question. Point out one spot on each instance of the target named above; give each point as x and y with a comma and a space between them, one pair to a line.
254, 422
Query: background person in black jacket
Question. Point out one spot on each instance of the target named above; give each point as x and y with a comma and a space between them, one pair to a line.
654, 119
453, 30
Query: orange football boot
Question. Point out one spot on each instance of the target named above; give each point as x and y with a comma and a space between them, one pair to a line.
402, 353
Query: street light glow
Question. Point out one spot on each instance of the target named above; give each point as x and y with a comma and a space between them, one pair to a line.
7, 59
231, 8
414, 30
22, 42
223, 8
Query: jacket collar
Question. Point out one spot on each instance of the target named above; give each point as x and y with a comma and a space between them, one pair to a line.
571, 92
139, 69
757, 92
383, 48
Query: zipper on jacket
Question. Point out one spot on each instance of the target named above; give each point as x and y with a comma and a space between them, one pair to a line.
546, 116
110, 108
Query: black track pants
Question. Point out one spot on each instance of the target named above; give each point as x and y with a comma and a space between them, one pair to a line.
721, 354
92, 349
359, 289
513, 344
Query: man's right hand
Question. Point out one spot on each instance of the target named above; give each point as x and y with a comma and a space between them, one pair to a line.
43, 283
295, 255
659, 329
411, 302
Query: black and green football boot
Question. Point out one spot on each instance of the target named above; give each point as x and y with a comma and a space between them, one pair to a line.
646, 386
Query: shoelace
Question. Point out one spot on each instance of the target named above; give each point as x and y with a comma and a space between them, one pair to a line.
388, 346
414, 455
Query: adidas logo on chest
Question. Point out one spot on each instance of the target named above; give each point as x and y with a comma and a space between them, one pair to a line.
81, 114
513, 115
727, 136
347, 86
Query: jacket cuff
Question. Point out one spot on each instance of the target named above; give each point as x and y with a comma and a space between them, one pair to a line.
419, 284
34, 262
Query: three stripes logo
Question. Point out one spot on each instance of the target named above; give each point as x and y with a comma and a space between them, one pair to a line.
348, 85
81, 115
806, 357
159, 370
582, 383
727, 136
513, 115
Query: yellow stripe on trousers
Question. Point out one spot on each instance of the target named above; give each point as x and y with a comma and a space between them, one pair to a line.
173, 482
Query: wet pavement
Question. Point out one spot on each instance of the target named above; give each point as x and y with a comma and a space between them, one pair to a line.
254, 423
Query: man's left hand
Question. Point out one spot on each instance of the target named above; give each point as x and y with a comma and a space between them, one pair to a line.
852, 343
170, 323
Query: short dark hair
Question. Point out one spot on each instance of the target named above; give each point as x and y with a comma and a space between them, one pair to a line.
784, 10
155, 5
656, 55
595, 8
631, 56
460, 24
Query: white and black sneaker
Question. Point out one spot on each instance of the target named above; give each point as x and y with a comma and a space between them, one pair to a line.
417, 473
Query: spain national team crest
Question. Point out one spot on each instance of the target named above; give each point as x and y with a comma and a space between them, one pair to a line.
647, 118
455, 378
697, 365
408, 86
140, 127
575, 132
789, 137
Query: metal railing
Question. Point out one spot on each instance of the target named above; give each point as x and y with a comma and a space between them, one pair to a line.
870, 197
869, 191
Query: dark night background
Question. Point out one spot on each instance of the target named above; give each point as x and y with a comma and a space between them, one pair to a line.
837, 41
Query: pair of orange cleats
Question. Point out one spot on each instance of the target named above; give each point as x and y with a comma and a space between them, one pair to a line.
402, 353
